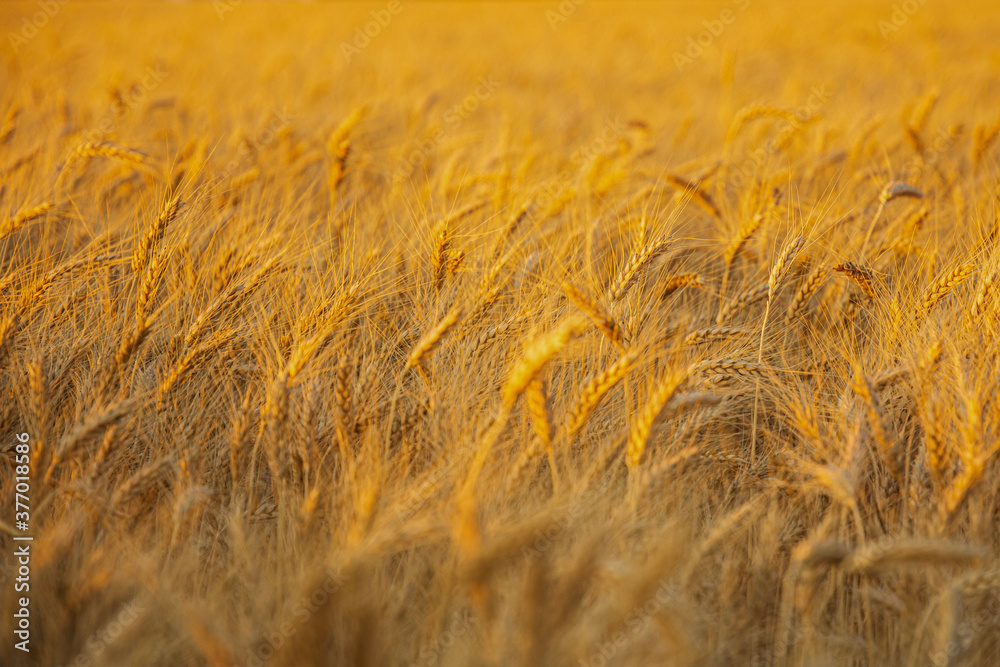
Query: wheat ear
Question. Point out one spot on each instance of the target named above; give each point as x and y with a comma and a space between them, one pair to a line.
863, 277
595, 389
628, 274
805, 292
605, 324
943, 286
741, 302
23, 217
748, 229
641, 427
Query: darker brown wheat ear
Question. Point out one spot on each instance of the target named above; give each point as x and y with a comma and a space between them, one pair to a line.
862, 276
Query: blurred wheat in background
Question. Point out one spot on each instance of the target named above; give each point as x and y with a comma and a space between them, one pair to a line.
513, 334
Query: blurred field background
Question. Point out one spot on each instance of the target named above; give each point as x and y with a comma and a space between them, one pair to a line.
527, 333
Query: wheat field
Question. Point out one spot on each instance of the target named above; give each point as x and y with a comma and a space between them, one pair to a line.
524, 333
